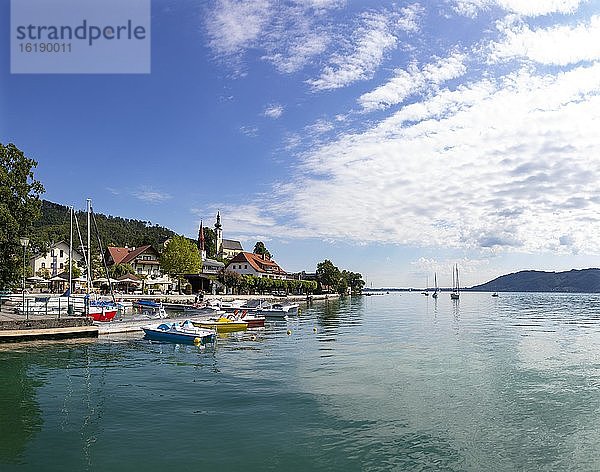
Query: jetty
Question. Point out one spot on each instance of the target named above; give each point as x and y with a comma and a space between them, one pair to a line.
48, 328
15, 327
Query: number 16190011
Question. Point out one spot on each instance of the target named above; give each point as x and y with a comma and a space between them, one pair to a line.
45, 47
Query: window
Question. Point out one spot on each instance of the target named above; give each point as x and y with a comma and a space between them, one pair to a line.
62, 266
245, 266
62, 254
52, 253
43, 265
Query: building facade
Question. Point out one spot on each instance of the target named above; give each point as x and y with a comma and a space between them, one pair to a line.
55, 261
143, 260
248, 263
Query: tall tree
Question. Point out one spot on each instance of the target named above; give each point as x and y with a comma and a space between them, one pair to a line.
353, 280
328, 274
180, 256
19, 208
259, 248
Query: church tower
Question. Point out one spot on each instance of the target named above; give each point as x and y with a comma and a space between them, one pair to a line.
201, 247
218, 236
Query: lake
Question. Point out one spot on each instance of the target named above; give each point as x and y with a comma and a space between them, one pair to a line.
389, 382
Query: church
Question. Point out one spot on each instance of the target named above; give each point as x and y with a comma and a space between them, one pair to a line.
224, 248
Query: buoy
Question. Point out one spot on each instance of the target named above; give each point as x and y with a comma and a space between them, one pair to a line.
289, 331
253, 338
197, 340
314, 330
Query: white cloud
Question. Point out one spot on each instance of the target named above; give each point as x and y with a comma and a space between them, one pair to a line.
540, 7
273, 111
234, 25
506, 164
287, 34
319, 127
408, 82
250, 131
370, 42
533, 8
409, 18
470, 8
557, 45
151, 196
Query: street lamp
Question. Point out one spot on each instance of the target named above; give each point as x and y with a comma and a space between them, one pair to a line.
24, 242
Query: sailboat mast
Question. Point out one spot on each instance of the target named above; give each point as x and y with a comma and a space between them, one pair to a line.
453, 280
89, 246
70, 257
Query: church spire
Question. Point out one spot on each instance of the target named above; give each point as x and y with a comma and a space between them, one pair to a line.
201, 237
218, 236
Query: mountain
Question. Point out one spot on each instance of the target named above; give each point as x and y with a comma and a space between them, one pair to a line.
585, 280
53, 226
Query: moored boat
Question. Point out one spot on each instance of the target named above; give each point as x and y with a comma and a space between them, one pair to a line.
222, 324
147, 303
253, 320
455, 294
184, 332
277, 310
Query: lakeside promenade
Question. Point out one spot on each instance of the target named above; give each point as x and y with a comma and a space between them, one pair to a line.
18, 327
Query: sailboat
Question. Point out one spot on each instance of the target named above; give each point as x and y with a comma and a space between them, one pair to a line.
435, 290
426, 292
97, 310
455, 284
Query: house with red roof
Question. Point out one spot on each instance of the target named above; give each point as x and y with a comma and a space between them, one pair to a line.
143, 259
248, 263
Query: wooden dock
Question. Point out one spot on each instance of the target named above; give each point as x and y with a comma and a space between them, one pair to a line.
13, 335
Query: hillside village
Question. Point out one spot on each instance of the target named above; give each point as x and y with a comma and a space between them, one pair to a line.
227, 268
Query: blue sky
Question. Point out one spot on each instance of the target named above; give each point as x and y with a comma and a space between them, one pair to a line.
394, 138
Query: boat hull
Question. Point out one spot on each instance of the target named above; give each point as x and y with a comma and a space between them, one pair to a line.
169, 333
255, 322
222, 326
104, 315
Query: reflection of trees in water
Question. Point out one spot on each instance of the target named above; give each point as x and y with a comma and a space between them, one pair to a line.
20, 414
335, 311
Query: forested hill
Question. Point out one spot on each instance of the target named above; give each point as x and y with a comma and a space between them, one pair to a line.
53, 226
585, 281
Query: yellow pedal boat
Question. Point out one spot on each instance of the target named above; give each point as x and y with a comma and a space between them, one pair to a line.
222, 324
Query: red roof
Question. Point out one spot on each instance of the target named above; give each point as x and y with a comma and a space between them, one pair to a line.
258, 263
124, 255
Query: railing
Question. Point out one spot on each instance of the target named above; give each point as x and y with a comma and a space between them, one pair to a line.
46, 307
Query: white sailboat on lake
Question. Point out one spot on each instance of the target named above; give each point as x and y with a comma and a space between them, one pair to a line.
436, 289
455, 294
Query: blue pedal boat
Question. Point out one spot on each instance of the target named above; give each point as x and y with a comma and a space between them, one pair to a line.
184, 332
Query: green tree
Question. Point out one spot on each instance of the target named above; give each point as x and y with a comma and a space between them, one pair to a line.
76, 271
118, 270
180, 256
328, 275
209, 242
19, 208
353, 280
259, 248
231, 279
342, 286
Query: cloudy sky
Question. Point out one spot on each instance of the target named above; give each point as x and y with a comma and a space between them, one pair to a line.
394, 138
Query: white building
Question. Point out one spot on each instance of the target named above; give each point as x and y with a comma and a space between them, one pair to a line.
55, 261
248, 263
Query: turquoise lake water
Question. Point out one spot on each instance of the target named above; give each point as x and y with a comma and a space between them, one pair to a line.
388, 382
